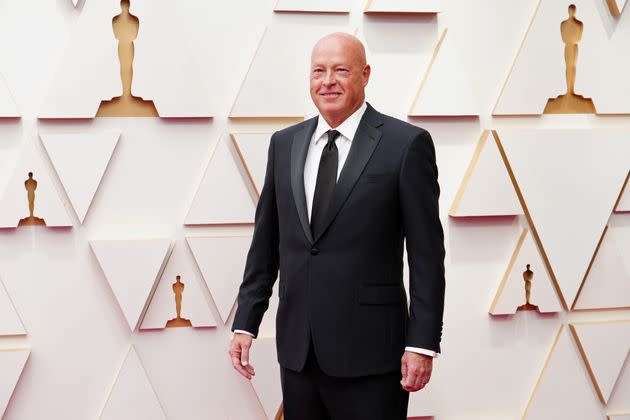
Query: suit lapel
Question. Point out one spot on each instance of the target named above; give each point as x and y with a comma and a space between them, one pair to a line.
364, 142
299, 149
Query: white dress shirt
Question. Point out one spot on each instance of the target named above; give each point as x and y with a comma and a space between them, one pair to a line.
346, 129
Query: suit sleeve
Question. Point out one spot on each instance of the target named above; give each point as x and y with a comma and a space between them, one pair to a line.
419, 194
261, 268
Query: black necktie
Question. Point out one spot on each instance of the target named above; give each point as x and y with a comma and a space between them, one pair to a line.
325, 185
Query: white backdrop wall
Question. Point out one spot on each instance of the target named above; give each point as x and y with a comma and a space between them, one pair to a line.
78, 335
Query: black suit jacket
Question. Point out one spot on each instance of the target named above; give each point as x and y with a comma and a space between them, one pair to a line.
344, 288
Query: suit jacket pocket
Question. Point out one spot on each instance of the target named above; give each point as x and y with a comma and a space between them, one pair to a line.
371, 178
381, 294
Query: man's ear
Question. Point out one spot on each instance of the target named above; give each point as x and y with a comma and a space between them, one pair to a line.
367, 70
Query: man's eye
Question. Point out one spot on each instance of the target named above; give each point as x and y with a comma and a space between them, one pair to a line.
317, 71
342, 70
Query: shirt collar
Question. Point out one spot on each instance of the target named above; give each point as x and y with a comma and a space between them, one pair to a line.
347, 128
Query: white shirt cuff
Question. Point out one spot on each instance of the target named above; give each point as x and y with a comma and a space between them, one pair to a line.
243, 332
421, 351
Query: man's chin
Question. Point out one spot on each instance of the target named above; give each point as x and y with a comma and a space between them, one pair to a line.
330, 108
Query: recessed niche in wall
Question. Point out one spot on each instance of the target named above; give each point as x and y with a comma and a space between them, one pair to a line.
30, 197
132, 268
125, 27
570, 102
526, 284
179, 300
127, 59
486, 189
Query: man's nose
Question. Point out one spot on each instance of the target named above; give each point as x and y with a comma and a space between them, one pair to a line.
329, 79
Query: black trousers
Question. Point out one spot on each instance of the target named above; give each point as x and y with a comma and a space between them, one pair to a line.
313, 395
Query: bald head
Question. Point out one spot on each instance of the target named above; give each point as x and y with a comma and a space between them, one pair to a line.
349, 43
339, 74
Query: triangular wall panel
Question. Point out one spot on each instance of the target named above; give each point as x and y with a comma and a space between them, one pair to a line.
253, 148
11, 365
563, 390
165, 70
224, 195
80, 177
486, 189
14, 202
604, 346
607, 284
131, 268
10, 322
568, 208
511, 292
194, 306
322, 6
132, 395
402, 6
446, 89
89, 71
221, 260
286, 47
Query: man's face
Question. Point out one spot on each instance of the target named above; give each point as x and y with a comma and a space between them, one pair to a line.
338, 77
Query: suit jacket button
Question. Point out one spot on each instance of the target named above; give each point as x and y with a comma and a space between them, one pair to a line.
314, 251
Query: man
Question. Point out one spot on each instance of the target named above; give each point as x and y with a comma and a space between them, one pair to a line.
341, 192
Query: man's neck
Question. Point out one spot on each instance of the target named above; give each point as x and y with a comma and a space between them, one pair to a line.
336, 120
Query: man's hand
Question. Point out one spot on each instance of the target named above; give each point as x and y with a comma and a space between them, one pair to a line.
416, 371
239, 352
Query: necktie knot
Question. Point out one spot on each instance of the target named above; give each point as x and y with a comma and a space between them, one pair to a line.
332, 136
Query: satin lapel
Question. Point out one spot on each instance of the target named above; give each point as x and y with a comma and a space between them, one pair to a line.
365, 141
299, 149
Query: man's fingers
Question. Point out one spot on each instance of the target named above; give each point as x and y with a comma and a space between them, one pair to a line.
236, 363
410, 380
244, 355
403, 368
421, 381
414, 377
